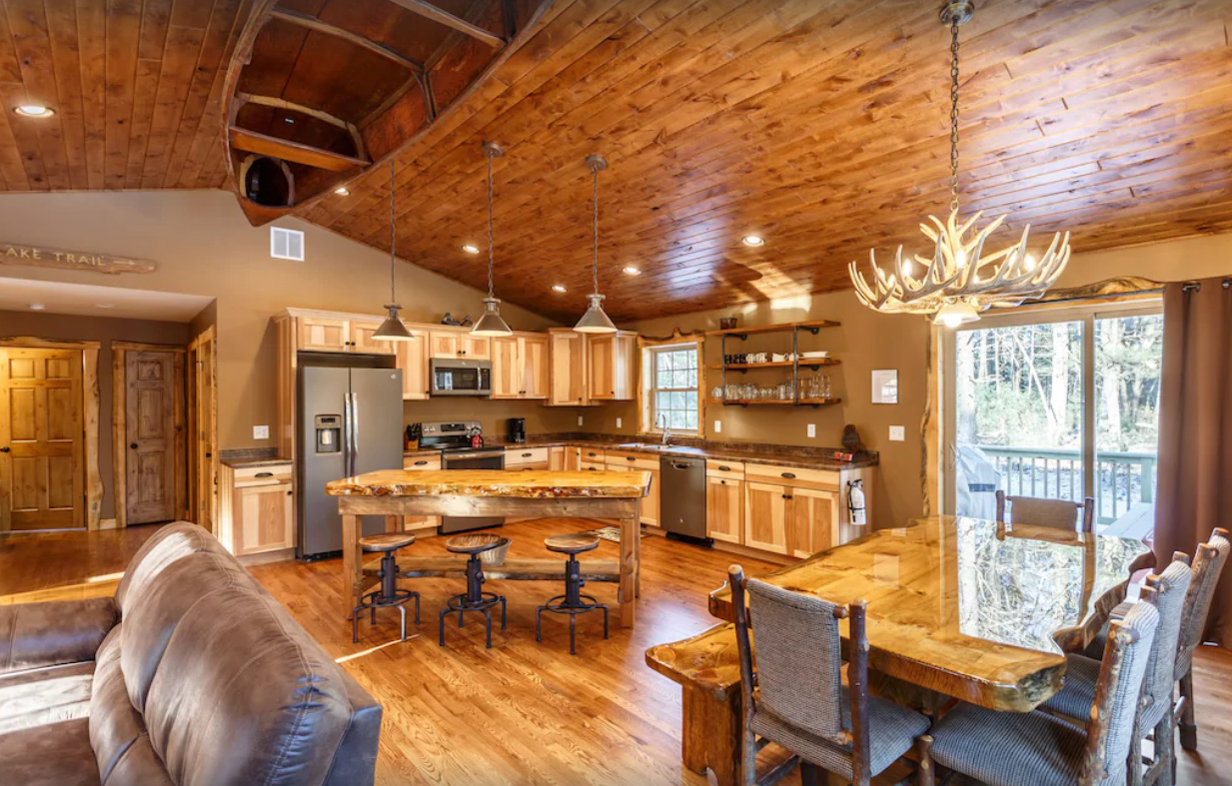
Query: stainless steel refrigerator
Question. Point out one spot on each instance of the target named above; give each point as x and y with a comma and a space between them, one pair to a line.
350, 422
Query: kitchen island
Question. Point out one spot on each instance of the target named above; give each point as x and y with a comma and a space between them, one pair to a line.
515, 494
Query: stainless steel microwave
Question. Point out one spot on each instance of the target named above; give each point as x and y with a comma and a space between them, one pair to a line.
451, 377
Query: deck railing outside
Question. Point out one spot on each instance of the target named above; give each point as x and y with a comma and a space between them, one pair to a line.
1123, 479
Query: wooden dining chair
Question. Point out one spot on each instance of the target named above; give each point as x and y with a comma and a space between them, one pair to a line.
1168, 591
1036, 748
1044, 512
1208, 564
796, 697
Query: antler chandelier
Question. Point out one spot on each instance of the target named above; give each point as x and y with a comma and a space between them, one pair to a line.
960, 281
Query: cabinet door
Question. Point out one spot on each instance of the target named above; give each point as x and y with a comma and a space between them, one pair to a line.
573, 459
506, 368
624, 360
362, 340
765, 517
650, 502
725, 509
567, 381
324, 335
475, 347
556, 459
602, 385
533, 352
444, 344
264, 518
413, 360
812, 521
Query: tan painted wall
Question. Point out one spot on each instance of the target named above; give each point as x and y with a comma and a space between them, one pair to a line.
204, 246
104, 330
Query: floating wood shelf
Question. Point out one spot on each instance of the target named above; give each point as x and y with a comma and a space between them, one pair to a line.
765, 402
813, 327
803, 363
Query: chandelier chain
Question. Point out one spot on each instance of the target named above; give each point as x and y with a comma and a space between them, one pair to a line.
393, 231
954, 21
491, 251
594, 198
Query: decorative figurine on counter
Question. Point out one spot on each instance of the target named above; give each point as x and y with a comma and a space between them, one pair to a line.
449, 320
476, 436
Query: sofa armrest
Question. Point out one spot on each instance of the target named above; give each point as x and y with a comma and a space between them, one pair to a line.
33, 635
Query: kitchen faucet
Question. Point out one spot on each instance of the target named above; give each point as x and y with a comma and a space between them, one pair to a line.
662, 424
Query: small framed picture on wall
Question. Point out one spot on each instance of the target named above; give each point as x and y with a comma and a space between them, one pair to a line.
885, 386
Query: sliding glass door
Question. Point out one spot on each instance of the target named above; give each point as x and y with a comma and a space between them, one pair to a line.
1061, 405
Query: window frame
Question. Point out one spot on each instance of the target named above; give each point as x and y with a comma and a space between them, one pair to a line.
649, 387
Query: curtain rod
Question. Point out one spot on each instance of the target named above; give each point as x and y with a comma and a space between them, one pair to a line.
1194, 286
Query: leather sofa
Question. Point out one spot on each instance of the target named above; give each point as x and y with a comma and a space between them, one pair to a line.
192, 674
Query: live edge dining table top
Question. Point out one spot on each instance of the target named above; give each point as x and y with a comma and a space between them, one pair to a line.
970, 608
525, 484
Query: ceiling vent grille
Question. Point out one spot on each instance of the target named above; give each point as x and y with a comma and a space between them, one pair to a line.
286, 244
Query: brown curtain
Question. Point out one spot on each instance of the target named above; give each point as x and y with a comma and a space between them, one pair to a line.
1195, 430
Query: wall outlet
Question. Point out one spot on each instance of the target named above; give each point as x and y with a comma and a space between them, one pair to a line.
812, 430
898, 433
718, 427
619, 422
260, 432
579, 420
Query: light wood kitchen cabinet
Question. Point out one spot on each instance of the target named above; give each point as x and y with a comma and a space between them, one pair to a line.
257, 514
812, 520
567, 369
573, 459
422, 463
527, 457
362, 340
613, 361
765, 517
320, 334
556, 458
412, 358
519, 367
725, 509
460, 344
618, 461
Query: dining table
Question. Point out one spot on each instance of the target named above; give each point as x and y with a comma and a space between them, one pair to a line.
957, 608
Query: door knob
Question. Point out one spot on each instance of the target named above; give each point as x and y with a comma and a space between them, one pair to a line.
133, 445
6, 449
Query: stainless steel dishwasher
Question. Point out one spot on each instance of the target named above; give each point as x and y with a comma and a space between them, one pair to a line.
682, 496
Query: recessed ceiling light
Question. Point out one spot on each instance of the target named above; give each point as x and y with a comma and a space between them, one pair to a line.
632, 271
558, 288
342, 191
37, 307
753, 240
471, 248
34, 110
104, 305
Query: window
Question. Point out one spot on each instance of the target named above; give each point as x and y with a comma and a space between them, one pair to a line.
672, 387
1058, 404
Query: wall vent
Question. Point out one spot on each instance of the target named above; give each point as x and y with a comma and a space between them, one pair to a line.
286, 244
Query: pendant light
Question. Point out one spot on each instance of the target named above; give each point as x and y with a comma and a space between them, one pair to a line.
392, 328
595, 320
491, 324
960, 281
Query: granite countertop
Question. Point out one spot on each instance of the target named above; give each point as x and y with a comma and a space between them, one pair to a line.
779, 455
246, 458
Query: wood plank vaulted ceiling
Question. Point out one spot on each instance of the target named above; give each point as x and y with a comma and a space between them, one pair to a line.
822, 126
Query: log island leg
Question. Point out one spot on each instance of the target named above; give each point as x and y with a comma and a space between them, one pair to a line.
630, 527
352, 563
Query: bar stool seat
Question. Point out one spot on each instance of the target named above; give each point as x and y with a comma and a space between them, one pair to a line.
388, 541
388, 593
475, 599
573, 602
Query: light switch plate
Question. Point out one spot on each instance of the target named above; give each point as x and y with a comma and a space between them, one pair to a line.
812, 430
718, 427
898, 434
619, 422
579, 420
260, 432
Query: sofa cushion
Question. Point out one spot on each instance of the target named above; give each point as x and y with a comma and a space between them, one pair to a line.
169, 544
55, 754
39, 697
244, 695
139, 766
114, 723
34, 635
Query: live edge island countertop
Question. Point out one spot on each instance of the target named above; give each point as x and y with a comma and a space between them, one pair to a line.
397, 493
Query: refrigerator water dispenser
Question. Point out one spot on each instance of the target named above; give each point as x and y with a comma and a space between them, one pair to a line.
329, 433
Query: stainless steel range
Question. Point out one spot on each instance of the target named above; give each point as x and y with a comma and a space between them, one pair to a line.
453, 440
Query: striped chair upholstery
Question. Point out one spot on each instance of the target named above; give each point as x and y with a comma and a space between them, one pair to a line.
1015, 749
800, 701
1044, 512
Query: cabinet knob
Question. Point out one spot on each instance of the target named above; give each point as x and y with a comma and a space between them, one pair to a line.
421, 462
289, 493
264, 475
722, 482
724, 469
789, 475
630, 458
133, 445
526, 455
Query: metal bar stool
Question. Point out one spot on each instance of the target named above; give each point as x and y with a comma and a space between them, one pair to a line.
389, 593
474, 599
573, 602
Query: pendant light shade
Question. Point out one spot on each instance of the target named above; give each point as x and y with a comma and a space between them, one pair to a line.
491, 324
595, 320
392, 328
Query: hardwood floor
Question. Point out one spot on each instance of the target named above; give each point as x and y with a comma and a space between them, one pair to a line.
521, 712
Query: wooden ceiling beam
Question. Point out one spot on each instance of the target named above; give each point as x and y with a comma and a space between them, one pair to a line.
429, 11
321, 26
263, 144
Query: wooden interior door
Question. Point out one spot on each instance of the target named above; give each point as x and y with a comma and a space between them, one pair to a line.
149, 466
203, 430
42, 468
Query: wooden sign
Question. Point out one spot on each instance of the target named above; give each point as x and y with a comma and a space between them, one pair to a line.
35, 256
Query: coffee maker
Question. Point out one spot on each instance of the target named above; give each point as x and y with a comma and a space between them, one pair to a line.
515, 430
